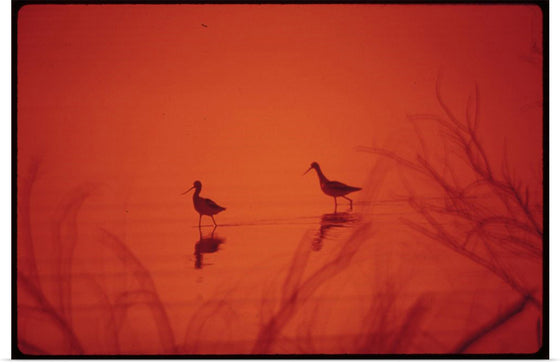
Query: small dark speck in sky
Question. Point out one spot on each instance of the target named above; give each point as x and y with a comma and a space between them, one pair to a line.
204, 25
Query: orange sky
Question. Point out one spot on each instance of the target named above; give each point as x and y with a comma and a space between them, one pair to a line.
262, 90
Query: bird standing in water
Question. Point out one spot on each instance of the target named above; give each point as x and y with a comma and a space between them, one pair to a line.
332, 188
204, 206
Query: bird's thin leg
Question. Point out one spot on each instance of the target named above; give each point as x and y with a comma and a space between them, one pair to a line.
348, 200
199, 219
213, 220
335, 204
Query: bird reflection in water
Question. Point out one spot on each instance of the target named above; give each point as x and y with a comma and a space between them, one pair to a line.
206, 245
330, 221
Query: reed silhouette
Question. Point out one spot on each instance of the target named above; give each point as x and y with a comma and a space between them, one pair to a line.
49, 304
332, 188
206, 245
204, 206
26, 260
386, 329
299, 288
296, 290
143, 293
50, 309
490, 217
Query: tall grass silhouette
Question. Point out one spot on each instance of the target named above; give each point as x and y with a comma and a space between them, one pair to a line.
296, 290
48, 309
301, 285
480, 211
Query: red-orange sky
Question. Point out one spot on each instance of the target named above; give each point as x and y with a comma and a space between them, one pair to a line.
145, 99
262, 90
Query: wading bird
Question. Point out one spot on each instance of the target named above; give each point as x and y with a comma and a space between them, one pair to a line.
332, 188
204, 206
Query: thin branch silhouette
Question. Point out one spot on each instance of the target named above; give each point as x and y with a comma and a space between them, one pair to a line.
482, 216
491, 326
55, 307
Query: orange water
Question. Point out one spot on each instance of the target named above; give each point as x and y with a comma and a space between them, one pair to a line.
121, 108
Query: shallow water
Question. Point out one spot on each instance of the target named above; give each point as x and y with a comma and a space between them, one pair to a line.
346, 282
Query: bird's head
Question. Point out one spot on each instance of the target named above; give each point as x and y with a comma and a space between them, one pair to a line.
196, 185
314, 165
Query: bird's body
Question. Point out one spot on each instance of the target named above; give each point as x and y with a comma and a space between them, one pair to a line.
337, 189
332, 188
204, 206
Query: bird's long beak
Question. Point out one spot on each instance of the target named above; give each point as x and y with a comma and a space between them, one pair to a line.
187, 190
310, 168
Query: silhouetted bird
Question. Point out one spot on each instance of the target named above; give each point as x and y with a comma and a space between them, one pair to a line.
332, 188
204, 206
